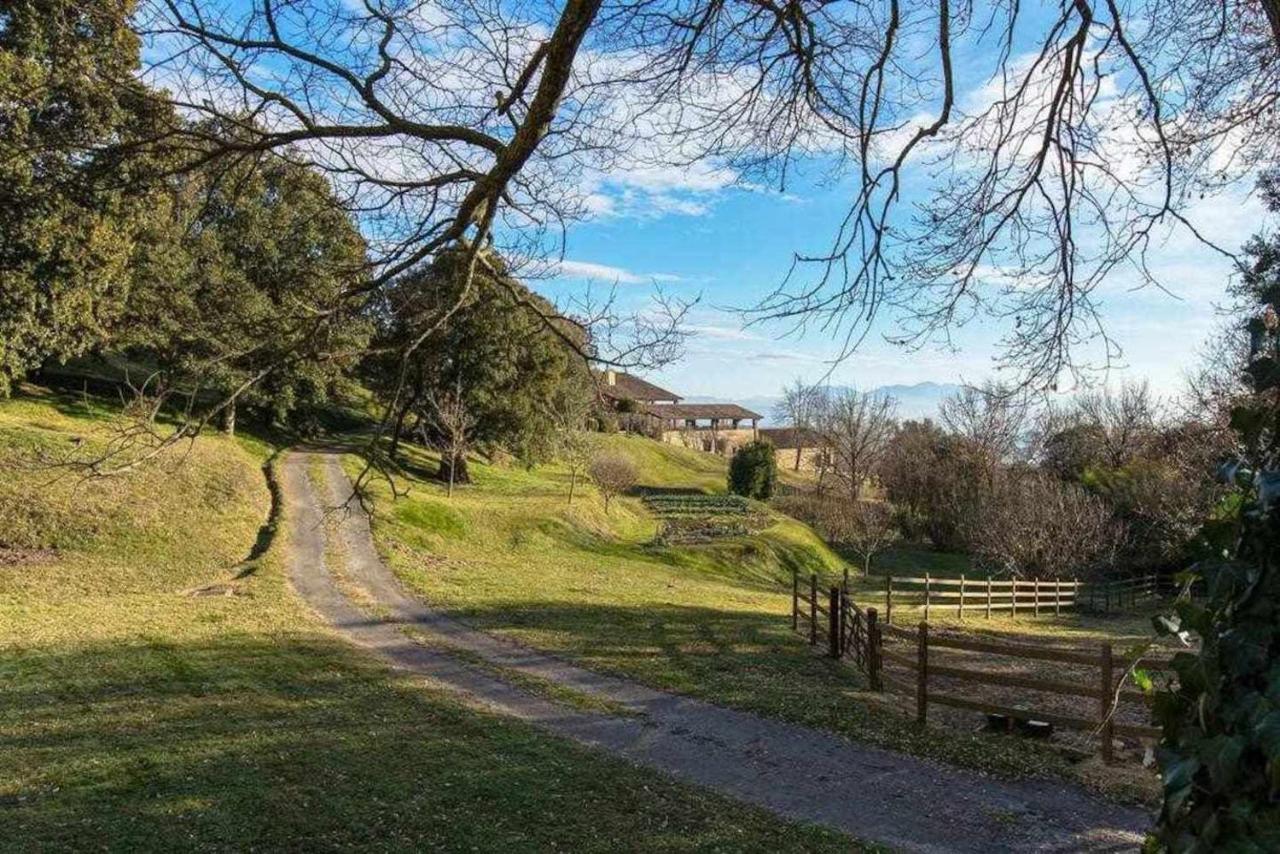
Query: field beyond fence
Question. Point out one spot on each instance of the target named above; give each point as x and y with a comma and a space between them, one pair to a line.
986, 597
1032, 687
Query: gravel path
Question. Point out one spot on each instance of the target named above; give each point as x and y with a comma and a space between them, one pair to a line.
810, 775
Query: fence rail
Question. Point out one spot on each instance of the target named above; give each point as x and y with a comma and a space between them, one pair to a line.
857, 634
1035, 597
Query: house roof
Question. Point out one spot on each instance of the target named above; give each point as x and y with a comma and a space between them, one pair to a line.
701, 410
633, 388
790, 437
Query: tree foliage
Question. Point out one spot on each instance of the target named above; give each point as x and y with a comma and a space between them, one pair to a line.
506, 362
71, 208
1220, 751
244, 298
753, 470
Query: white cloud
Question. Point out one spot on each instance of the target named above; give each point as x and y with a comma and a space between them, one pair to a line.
592, 271
723, 333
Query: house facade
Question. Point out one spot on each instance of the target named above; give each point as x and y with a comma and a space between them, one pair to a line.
643, 407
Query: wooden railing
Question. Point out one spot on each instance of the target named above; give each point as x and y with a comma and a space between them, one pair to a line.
883, 652
1104, 687
850, 631
988, 596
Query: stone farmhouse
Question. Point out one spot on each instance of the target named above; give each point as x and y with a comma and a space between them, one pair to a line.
643, 407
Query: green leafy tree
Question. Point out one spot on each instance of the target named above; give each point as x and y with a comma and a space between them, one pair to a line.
753, 470
1220, 751
71, 208
246, 289
497, 347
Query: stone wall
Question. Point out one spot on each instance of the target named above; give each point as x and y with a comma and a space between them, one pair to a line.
722, 442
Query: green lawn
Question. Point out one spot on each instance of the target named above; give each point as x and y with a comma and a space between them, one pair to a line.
509, 555
135, 716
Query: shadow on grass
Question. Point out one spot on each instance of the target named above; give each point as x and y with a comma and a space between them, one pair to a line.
756, 662
293, 744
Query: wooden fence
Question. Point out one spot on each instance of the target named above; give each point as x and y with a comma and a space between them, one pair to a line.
849, 631
883, 651
1035, 597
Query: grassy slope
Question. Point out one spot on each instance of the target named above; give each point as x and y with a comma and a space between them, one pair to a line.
135, 717
509, 555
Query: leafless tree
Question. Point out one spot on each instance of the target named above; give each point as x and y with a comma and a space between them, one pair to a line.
866, 527
1045, 154
613, 474
453, 422
1035, 526
856, 428
990, 418
799, 408
1124, 419
571, 413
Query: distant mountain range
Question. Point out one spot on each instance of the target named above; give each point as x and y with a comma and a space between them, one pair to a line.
914, 401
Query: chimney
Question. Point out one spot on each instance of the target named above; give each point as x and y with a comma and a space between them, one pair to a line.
610, 377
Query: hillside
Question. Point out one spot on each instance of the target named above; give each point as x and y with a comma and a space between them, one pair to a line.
157, 691
509, 555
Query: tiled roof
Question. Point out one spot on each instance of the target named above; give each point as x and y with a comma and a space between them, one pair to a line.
701, 410
633, 388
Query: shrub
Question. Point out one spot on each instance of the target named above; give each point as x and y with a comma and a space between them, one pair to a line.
613, 475
1034, 526
753, 471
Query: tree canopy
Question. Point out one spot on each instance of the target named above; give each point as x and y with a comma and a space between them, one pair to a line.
72, 205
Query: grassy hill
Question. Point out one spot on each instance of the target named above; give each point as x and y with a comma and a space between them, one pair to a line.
158, 692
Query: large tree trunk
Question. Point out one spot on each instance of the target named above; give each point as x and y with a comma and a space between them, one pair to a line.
229, 418
453, 469
398, 429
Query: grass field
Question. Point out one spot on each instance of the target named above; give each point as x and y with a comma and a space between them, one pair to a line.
509, 555
138, 716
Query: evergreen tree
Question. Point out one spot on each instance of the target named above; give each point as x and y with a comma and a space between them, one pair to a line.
71, 208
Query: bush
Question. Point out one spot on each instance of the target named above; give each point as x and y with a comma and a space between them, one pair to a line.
1031, 525
753, 471
613, 475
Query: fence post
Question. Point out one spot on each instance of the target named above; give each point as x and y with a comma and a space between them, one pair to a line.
813, 609
988, 597
795, 599
922, 674
1057, 597
833, 622
962, 597
874, 640
1106, 696
1075, 594
1035, 597
1013, 596
926, 597
888, 599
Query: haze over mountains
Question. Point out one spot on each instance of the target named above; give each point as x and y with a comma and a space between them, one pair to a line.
914, 401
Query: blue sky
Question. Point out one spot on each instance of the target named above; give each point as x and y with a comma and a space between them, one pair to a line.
699, 233
702, 231
732, 246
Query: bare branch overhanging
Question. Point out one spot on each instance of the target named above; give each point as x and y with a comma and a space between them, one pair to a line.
1006, 160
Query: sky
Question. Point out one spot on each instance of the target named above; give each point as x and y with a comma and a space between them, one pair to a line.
699, 232
705, 232
731, 246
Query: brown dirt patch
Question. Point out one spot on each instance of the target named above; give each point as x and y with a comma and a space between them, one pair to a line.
26, 557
